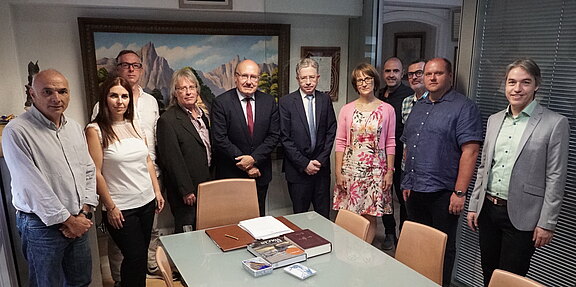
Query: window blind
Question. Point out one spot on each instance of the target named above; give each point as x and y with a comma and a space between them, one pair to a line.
546, 32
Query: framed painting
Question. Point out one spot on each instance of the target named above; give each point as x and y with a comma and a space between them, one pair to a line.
211, 50
206, 4
409, 46
328, 59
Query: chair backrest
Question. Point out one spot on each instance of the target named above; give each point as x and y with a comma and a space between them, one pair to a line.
226, 201
354, 223
421, 248
501, 278
164, 266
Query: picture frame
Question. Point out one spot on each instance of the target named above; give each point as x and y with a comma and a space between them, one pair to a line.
328, 59
205, 4
172, 41
409, 46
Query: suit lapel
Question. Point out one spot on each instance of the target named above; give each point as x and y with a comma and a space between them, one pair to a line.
530, 127
299, 105
319, 108
492, 132
187, 124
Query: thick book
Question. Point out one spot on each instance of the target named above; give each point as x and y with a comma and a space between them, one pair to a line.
277, 251
264, 227
312, 243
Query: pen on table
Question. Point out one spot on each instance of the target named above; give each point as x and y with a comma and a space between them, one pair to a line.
230, 236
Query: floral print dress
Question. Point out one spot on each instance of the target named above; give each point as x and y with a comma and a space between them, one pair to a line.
364, 167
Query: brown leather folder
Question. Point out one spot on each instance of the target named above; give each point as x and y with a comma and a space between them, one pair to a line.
227, 243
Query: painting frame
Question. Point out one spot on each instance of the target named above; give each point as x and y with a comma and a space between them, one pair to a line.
333, 56
409, 46
89, 26
205, 4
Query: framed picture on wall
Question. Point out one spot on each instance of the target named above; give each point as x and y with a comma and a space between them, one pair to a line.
211, 50
328, 59
206, 4
409, 46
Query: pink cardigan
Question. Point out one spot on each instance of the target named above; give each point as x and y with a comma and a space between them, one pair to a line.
387, 136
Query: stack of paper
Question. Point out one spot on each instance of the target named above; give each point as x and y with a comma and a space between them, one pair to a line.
264, 227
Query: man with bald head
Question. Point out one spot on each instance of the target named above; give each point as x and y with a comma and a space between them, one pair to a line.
53, 185
245, 130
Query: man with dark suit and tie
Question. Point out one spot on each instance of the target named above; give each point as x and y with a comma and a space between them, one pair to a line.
245, 130
307, 131
521, 177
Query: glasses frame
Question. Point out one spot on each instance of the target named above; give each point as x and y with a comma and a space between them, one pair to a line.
367, 81
126, 65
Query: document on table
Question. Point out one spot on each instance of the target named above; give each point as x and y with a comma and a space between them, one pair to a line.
265, 227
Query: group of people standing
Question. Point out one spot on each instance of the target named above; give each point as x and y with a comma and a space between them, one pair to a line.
421, 141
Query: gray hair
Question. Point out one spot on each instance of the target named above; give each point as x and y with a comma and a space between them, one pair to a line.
527, 65
185, 73
305, 63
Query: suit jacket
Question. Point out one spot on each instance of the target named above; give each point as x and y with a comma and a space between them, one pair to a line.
230, 137
539, 173
181, 153
295, 135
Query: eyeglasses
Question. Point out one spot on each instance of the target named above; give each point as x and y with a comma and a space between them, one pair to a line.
187, 89
367, 81
310, 78
245, 77
126, 66
418, 74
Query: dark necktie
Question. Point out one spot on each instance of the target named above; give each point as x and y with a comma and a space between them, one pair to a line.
249, 115
311, 120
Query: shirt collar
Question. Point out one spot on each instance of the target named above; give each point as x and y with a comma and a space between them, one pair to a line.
415, 99
527, 111
303, 95
241, 97
43, 119
189, 112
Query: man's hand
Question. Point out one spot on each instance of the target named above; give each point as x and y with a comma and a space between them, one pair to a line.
542, 236
254, 172
456, 204
473, 220
406, 194
76, 226
189, 199
245, 162
313, 167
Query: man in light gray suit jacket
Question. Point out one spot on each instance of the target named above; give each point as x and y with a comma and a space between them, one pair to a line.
521, 177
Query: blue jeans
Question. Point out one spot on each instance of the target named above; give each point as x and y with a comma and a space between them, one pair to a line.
53, 259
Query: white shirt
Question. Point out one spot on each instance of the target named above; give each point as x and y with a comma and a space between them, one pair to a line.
243, 102
305, 102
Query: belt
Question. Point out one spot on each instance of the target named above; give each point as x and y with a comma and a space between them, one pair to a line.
496, 200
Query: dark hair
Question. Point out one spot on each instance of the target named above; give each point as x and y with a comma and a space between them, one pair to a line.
124, 52
527, 65
368, 70
103, 119
418, 61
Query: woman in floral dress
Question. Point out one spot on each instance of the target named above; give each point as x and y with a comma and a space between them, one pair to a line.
365, 151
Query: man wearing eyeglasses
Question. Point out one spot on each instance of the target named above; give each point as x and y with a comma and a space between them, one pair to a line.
394, 93
307, 131
416, 81
245, 130
129, 66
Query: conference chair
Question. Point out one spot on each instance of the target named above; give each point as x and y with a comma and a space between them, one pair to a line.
501, 278
165, 269
226, 201
354, 223
421, 248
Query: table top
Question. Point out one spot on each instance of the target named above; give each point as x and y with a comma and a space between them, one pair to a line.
352, 261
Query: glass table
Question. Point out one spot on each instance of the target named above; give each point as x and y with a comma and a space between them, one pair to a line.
352, 261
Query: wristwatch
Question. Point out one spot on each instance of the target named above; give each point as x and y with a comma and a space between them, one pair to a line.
460, 193
88, 214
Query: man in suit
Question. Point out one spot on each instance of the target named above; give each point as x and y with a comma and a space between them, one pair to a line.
245, 130
394, 93
307, 131
521, 177
184, 148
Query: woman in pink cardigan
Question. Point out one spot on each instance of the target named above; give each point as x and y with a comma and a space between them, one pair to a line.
365, 151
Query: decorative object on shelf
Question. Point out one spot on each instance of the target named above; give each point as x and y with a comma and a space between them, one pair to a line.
328, 59
33, 69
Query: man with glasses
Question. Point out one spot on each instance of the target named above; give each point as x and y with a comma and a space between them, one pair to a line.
394, 93
307, 130
129, 66
416, 81
245, 130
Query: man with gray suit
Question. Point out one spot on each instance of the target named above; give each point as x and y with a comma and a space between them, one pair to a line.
521, 177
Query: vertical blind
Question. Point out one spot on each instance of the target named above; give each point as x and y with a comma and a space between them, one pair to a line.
544, 30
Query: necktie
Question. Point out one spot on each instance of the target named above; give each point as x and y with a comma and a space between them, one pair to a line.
249, 116
311, 121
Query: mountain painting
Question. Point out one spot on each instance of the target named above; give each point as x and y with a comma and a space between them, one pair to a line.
213, 58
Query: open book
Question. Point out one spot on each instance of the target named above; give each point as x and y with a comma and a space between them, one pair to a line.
265, 227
